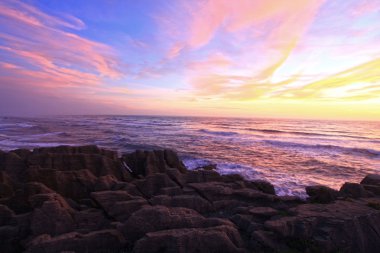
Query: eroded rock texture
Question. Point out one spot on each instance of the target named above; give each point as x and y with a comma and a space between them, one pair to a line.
87, 199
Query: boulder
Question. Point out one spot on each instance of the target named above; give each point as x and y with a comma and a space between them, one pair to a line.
146, 163
321, 194
22, 153
6, 185
354, 190
202, 176
90, 220
152, 184
6, 215
266, 241
194, 202
373, 189
242, 221
98, 164
372, 179
52, 215
105, 183
150, 219
212, 191
9, 239
191, 240
209, 167
261, 185
118, 204
109, 240
12, 164
341, 226
20, 203
157, 218
173, 160
71, 184
72, 150
371, 183
263, 211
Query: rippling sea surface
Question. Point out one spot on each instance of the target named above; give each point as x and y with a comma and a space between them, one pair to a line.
289, 153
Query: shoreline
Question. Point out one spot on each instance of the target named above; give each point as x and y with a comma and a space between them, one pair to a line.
85, 198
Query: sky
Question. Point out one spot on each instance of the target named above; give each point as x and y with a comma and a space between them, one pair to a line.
242, 58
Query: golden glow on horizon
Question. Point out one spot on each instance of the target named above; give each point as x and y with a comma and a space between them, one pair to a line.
298, 59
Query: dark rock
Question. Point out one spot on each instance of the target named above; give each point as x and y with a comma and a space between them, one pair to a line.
209, 167
232, 178
150, 219
20, 201
342, 226
6, 185
152, 184
6, 215
52, 215
12, 164
267, 240
374, 189
354, 190
71, 184
178, 177
9, 239
242, 221
201, 176
122, 210
98, 165
173, 160
22, 153
321, 194
194, 202
171, 191
105, 183
149, 162
86, 199
212, 191
261, 185
372, 179
90, 220
118, 204
99, 241
263, 211
215, 239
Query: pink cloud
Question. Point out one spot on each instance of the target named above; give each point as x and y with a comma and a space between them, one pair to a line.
212, 62
33, 39
32, 16
205, 18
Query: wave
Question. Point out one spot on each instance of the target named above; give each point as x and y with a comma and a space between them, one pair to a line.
8, 145
20, 125
51, 134
274, 131
283, 185
220, 133
341, 149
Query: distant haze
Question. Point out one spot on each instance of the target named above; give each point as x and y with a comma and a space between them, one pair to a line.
244, 58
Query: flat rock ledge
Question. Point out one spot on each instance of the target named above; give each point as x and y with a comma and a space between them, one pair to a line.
88, 199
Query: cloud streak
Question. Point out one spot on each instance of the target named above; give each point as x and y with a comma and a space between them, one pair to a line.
181, 56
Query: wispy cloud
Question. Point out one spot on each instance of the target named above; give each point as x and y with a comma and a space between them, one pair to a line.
182, 56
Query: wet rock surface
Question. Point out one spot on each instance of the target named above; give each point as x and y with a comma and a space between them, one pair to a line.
88, 199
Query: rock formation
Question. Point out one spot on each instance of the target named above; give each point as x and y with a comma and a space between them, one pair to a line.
87, 199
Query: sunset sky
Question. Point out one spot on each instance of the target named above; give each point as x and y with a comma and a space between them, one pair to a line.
254, 58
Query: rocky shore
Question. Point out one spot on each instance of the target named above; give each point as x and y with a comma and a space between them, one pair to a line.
87, 199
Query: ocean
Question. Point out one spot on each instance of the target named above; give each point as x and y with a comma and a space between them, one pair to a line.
291, 154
